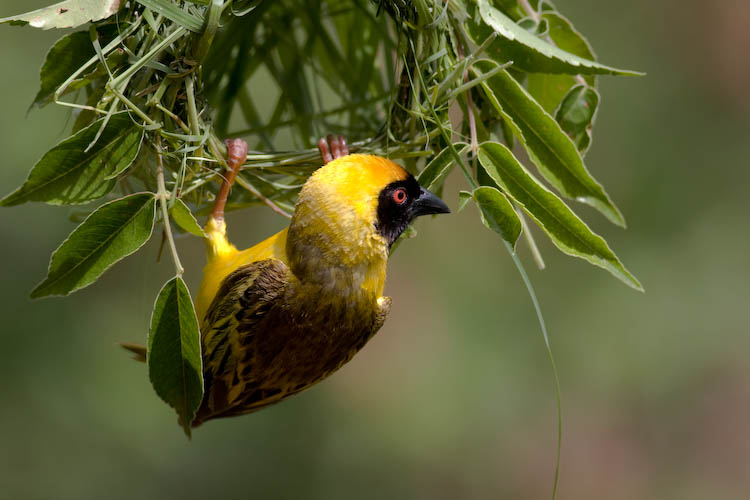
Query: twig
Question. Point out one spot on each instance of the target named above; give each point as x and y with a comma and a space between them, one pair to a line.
474, 144
270, 204
162, 195
530, 241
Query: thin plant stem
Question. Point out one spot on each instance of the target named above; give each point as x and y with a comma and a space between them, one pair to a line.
151, 54
270, 204
163, 195
555, 375
135, 109
530, 241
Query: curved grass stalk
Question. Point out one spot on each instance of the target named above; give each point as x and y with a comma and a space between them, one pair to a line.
527, 283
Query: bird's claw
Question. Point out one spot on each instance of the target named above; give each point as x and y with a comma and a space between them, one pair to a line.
332, 147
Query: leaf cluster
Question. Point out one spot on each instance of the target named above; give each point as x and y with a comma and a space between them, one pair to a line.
440, 85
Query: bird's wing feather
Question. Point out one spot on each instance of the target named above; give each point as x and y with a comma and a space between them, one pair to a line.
243, 301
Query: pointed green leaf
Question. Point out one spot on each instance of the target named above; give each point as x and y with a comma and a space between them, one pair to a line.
569, 233
174, 351
185, 219
68, 14
549, 89
69, 175
497, 213
111, 233
550, 149
566, 37
435, 172
463, 199
67, 55
527, 51
244, 7
576, 115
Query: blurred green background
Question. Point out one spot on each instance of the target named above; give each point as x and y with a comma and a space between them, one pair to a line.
453, 398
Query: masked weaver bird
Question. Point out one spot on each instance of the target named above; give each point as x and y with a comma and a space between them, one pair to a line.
288, 312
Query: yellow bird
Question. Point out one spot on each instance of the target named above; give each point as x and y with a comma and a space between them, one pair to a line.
283, 315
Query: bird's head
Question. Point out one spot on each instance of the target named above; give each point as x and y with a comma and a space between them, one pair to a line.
359, 205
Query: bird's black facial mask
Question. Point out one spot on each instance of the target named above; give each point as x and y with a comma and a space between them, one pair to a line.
400, 203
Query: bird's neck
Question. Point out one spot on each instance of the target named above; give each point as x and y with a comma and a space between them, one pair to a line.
338, 253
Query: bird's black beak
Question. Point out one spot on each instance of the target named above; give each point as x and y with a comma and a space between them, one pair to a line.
428, 203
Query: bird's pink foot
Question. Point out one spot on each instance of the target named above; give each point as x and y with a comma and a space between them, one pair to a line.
332, 147
236, 155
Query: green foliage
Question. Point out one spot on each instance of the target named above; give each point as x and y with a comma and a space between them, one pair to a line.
528, 51
548, 147
112, 232
569, 233
174, 351
184, 218
435, 172
68, 53
70, 174
68, 14
497, 213
576, 114
156, 86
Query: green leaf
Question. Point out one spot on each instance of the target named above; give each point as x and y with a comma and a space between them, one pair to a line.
203, 44
68, 175
569, 233
68, 14
548, 146
243, 7
174, 351
549, 89
67, 55
173, 12
185, 219
435, 172
566, 37
112, 232
463, 199
576, 115
528, 52
497, 213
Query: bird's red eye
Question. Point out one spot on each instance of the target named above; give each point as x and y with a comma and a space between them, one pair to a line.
399, 196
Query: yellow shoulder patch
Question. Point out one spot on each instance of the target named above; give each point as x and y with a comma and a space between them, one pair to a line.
223, 258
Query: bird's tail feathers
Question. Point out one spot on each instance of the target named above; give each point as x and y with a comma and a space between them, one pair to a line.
138, 350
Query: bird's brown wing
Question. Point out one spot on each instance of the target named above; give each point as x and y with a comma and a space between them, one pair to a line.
237, 312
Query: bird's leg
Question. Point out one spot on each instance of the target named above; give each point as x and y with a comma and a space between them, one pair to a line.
338, 148
236, 155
